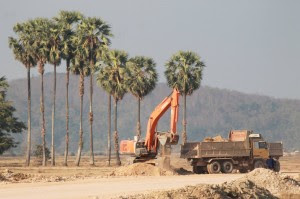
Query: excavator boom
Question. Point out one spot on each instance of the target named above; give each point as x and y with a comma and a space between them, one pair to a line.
170, 101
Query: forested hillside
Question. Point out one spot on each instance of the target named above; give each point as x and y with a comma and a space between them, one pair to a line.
210, 111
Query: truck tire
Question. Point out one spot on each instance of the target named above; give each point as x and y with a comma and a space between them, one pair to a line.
277, 166
214, 167
259, 164
227, 167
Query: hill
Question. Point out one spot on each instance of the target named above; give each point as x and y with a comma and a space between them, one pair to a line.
211, 111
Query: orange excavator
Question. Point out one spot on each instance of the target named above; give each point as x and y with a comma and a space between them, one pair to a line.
147, 149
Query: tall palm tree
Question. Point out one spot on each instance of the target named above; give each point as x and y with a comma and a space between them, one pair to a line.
184, 72
95, 35
22, 51
38, 30
141, 81
80, 67
112, 79
54, 46
67, 21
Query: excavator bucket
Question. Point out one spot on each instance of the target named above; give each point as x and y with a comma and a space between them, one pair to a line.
167, 138
163, 139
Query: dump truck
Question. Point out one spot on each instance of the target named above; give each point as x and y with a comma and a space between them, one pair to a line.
244, 151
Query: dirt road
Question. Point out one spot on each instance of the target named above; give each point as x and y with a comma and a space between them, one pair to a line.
107, 187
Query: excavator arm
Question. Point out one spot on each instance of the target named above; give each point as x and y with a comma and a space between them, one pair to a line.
151, 135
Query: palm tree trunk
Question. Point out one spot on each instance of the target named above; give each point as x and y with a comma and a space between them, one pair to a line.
28, 118
109, 130
80, 145
53, 119
91, 121
42, 109
116, 137
67, 113
184, 135
138, 128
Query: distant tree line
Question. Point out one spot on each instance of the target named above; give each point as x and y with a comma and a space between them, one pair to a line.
84, 44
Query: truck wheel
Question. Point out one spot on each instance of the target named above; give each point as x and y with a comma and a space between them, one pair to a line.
214, 167
277, 166
259, 164
227, 167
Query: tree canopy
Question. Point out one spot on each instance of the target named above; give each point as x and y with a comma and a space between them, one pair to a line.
184, 72
112, 77
8, 123
142, 76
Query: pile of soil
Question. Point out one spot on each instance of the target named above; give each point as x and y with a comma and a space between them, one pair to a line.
260, 183
142, 169
8, 176
244, 191
275, 182
217, 138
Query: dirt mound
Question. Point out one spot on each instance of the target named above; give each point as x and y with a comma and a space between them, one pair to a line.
8, 176
244, 191
260, 183
217, 138
275, 182
141, 169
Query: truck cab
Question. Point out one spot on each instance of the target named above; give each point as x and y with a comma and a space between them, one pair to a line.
260, 149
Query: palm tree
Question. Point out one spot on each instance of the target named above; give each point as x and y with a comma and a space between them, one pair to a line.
38, 30
79, 67
67, 21
95, 35
141, 81
112, 79
184, 72
54, 46
22, 51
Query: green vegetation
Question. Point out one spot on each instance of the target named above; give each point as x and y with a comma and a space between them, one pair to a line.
8, 123
38, 153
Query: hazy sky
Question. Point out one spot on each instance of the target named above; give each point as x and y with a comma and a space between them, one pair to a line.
249, 46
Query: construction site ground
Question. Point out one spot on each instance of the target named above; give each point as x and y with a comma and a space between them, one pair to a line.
130, 181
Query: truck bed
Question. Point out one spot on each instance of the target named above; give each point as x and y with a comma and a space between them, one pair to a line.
214, 149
